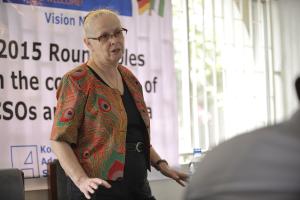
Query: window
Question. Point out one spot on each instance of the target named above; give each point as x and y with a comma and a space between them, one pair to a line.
224, 66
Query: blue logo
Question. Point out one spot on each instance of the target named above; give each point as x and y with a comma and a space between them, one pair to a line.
123, 7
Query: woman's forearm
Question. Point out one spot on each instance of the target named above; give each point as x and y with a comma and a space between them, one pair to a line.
68, 160
154, 156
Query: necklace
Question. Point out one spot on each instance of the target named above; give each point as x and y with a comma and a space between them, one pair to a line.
113, 84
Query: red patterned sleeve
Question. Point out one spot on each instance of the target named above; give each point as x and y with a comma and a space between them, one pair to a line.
69, 111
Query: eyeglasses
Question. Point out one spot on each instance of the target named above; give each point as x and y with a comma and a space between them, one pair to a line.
106, 36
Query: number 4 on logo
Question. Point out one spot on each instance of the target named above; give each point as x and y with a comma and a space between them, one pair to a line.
29, 159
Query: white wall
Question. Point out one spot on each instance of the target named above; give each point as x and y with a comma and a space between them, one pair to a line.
167, 190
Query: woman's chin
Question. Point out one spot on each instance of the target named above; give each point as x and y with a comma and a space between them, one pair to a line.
115, 59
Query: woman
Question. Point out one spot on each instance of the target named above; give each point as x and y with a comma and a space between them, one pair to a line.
101, 128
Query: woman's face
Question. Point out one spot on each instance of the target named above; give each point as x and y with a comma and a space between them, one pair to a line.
110, 46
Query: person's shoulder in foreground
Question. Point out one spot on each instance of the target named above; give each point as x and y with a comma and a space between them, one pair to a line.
262, 164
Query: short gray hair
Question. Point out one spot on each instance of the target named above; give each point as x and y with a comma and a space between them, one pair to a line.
94, 14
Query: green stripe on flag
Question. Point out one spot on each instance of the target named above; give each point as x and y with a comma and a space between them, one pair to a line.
161, 8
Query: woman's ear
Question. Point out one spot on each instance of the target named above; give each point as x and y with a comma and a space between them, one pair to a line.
87, 43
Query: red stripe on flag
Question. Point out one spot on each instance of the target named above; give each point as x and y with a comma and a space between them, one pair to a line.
142, 3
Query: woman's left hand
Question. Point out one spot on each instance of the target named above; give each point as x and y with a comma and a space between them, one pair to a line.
179, 177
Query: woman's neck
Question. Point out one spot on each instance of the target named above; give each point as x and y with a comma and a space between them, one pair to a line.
107, 68
109, 73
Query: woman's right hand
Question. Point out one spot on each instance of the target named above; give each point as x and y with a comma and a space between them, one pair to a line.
88, 185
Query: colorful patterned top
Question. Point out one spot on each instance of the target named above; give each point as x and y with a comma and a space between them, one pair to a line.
90, 116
